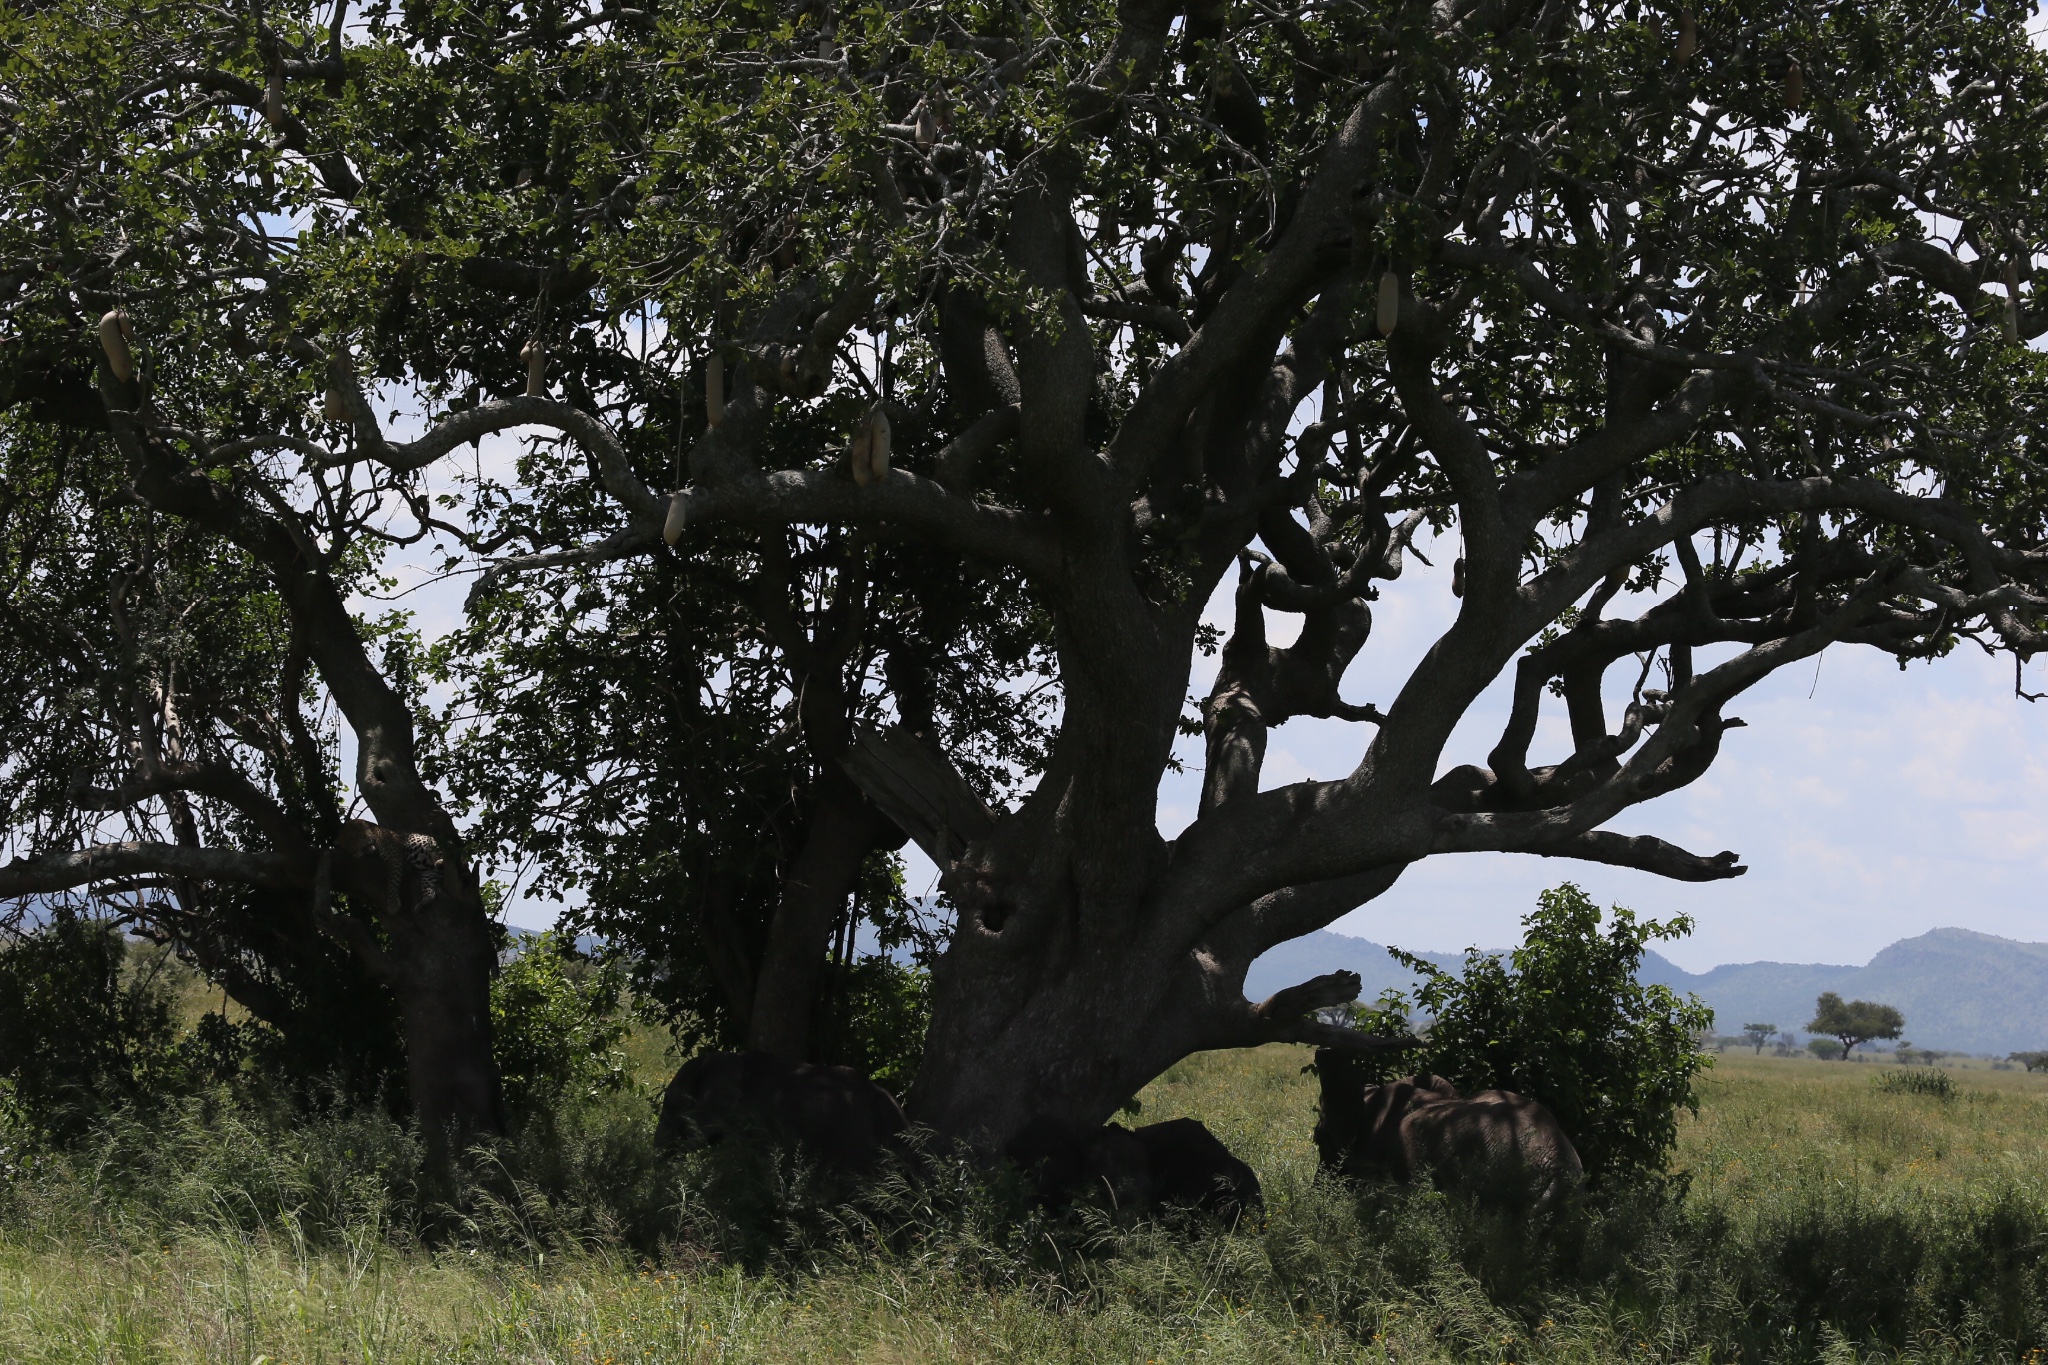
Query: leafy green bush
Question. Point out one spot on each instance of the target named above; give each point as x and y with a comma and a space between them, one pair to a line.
1936, 1084
879, 1021
78, 1036
1564, 1020
556, 1020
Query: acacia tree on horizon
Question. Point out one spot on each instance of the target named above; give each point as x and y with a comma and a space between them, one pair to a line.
1854, 1021
1105, 306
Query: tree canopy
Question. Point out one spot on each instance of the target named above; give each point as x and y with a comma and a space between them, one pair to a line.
1854, 1021
895, 386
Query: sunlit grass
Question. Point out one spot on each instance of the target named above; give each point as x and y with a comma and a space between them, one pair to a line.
1917, 1224
1768, 1125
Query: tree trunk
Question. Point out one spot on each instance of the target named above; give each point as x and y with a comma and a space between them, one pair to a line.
444, 998
439, 963
1072, 1034
439, 958
1072, 1020
842, 832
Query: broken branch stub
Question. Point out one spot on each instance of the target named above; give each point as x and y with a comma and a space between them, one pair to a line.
920, 789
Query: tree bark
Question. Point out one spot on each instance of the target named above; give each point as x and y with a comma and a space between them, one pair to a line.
444, 1001
840, 835
439, 962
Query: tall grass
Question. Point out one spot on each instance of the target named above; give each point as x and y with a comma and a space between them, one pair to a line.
1810, 1217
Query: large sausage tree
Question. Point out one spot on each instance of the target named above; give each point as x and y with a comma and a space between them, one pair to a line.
1698, 338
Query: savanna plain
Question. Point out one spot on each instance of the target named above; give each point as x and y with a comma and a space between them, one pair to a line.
1809, 1215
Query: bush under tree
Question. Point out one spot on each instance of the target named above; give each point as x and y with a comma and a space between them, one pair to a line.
1564, 1018
557, 1020
79, 1036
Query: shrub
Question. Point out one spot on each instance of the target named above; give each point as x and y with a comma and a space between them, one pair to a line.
556, 1021
1933, 1083
880, 1017
78, 1036
1827, 1049
1564, 1020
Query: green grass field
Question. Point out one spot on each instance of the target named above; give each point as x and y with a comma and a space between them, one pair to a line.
1815, 1218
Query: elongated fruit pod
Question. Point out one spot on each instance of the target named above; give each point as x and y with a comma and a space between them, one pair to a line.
1458, 577
2012, 300
857, 453
878, 445
1795, 86
678, 517
335, 408
273, 99
1390, 303
115, 334
714, 391
1688, 38
535, 354
926, 128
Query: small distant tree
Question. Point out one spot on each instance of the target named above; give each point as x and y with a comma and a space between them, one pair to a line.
2032, 1061
1854, 1021
1788, 1043
1827, 1049
1758, 1035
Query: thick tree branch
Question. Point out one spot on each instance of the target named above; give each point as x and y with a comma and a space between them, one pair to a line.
53, 872
1246, 314
901, 500
1646, 854
608, 458
206, 779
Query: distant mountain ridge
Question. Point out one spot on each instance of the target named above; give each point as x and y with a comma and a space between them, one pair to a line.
1960, 990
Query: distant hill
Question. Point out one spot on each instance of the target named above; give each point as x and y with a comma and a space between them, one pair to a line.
1959, 990
1323, 951
521, 936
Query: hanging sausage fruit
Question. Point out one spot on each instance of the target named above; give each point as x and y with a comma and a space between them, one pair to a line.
535, 354
116, 335
273, 98
714, 392
1688, 38
868, 457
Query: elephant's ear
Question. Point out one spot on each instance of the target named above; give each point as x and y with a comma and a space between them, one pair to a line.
1385, 1105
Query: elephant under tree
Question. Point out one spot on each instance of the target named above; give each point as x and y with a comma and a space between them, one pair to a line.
1700, 340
